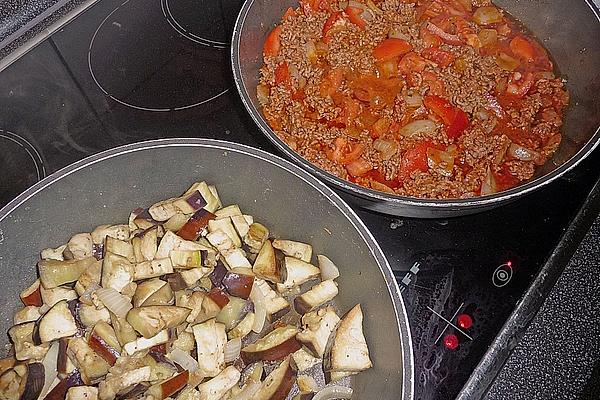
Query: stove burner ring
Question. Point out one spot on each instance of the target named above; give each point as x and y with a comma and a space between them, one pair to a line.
36, 158
186, 33
123, 102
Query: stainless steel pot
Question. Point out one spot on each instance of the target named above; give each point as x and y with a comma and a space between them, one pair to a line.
104, 188
569, 29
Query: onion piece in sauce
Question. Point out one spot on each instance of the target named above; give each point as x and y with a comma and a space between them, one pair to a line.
421, 126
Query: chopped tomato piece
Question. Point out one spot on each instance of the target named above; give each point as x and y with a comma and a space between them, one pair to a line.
352, 154
309, 6
440, 107
354, 15
504, 178
377, 176
330, 23
440, 57
332, 82
414, 159
519, 85
412, 62
339, 146
289, 13
272, 42
460, 123
377, 91
391, 48
282, 73
429, 38
436, 86
380, 127
299, 94
522, 48
455, 119
351, 109
359, 167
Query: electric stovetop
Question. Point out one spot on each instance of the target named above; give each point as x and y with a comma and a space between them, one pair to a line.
126, 71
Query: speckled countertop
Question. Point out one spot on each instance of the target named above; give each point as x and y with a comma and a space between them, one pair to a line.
559, 354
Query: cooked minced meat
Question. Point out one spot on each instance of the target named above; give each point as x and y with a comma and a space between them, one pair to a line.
439, 99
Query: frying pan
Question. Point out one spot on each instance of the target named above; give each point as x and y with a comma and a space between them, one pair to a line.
568, 29
104, 188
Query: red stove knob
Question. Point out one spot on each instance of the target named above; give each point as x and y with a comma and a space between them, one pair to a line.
465, 321
451, 341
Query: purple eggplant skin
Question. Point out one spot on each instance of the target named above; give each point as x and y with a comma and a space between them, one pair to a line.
60, 391
134, 393
74, 306
35, 381
61, 363
174, 280
216, 277
196, 201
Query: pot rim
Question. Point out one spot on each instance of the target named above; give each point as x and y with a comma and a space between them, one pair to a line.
395, 201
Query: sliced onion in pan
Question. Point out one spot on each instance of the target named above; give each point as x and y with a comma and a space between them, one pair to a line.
114, 301
328, 268
184, 359
333, 392
260, 310
232, 349
424, 126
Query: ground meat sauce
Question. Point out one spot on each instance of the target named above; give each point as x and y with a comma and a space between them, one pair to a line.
438, 99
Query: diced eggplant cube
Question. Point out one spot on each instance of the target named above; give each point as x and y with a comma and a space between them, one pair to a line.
305, 360
275, 304
109, 388
26, 314
54, 273
290, 248
91, 366
22, 338
163, 210
347, 349
217, 387
240, 224
315, 297
91, 276
243, 328
53, 254
229, 211
256, 236
119, 247
317, 327
82, 393
120, 232
210, 344
53, 296
80, 246
186, 258
149, 320
220, 240
152, 269
142, 343
236, 258
89, 315
117, 271
58, 322
267, 264
225, 226
297, 272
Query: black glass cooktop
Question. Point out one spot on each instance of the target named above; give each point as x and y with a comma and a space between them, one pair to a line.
125, 71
